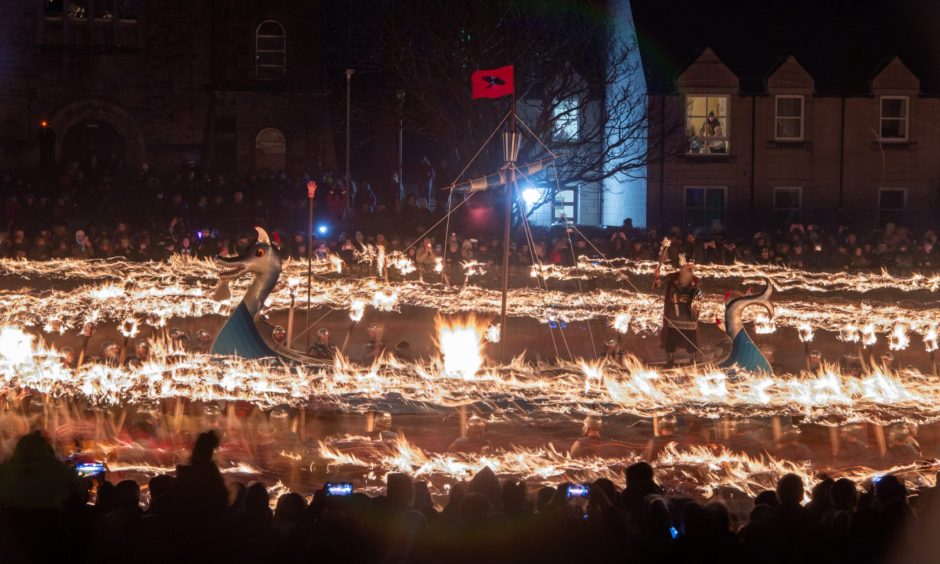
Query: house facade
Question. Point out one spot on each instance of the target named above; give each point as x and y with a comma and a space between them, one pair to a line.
753, 154
234, 86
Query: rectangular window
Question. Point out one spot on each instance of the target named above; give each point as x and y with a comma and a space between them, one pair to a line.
566, 116
565, 207
788, 117
894, 113
788, 200
704, 206
891, 205
707, 124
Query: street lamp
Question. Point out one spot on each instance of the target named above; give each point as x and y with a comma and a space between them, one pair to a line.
400, 95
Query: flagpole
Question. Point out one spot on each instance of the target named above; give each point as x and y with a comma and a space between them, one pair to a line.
512, 150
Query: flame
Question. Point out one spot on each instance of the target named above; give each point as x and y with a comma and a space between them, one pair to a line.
130, 328
337, 264
868, 335
930, 339
16, 346
493, 334
764, 325
621, 323
898, 340
460, 341
385, 302
438, 265
806, 332
473, 268
356, 309
849, 334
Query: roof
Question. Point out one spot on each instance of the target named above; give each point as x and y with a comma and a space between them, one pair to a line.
841, 43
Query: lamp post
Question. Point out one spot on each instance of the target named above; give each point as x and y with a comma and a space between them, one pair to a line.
349, 73
400, 95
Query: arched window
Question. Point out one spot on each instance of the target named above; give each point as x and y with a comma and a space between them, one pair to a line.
270, 150
270, 51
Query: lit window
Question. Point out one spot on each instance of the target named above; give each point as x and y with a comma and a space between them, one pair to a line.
707, 124
704, 206
788, 200
270, 51
565, 207
894, 111
891, 205
566, 120
789, 118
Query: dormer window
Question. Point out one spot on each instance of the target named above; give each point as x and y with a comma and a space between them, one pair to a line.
707, 124
894, 118
788, 118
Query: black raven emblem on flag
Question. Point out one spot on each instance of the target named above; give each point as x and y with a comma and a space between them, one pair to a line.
492, 81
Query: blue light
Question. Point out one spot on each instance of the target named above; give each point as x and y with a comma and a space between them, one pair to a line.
322, 230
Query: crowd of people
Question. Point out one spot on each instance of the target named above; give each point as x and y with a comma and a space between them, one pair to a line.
89, 211
48, 512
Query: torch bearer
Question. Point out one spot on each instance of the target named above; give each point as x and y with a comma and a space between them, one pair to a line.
356, 309
129, 329
292, 284
930, 343
868, 342
88, 329
806, 337
663, 250
311, 192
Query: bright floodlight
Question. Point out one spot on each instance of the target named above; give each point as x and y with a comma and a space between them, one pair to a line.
322, 229
531, 195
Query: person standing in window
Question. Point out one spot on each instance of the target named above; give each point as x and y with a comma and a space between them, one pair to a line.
712, 127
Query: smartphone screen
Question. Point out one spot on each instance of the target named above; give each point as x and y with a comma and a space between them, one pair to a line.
578, 490
90, 469
344, 488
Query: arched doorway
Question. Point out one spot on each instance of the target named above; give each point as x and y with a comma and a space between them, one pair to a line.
270, 150
95, 124
93, 139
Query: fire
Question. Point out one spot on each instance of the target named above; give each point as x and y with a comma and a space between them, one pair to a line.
806, 332
460, 342
898, 339
493, 334
356, 309
764, 325
849, 334
868, 335
337, 264
385, 302
930, 339
130, 328
16, 347
621, 323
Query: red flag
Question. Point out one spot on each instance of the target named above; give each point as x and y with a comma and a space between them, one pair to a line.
493, 83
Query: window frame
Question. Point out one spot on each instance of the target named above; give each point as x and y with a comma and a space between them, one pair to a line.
900, 211
685, 207
726, 125
778, 117
906, 120
569, 116
557, 205
799, 209
283, 51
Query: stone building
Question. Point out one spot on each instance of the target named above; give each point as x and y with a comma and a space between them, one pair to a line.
228, 86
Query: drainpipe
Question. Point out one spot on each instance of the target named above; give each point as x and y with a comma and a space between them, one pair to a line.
841, 154
753, 147
662, 155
